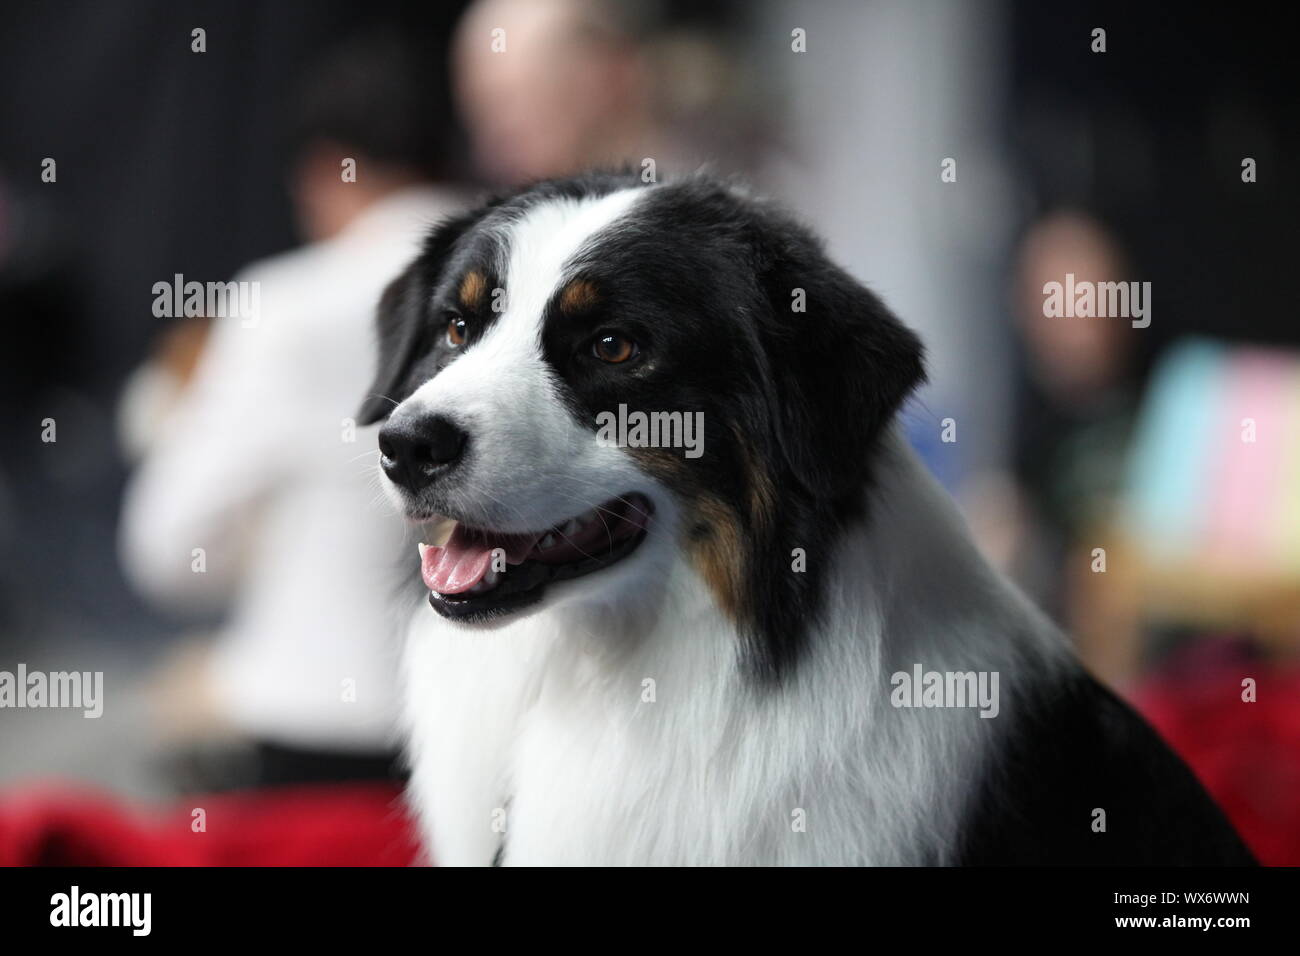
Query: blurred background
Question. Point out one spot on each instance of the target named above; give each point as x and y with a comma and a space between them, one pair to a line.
176, 478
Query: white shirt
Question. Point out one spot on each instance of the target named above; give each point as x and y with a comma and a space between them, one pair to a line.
262, 467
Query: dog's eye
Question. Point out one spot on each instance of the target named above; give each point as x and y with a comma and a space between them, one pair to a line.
456, 330
613, 348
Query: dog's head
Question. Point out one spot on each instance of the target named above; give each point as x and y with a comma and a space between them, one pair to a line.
594, 373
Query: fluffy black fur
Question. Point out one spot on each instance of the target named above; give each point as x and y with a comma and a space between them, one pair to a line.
1069, 747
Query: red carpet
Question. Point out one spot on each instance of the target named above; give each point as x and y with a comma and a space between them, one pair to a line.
333, 825
1246, 754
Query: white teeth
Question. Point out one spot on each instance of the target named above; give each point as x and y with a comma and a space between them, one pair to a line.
422, 548
569, 527
547, 542
442, 531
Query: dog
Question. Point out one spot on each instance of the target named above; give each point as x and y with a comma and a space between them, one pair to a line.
755, 654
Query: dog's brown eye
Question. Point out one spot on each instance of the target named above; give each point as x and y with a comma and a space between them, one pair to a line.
455, 331
613, 348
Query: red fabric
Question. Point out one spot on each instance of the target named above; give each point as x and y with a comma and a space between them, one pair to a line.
332, 825
1246, 754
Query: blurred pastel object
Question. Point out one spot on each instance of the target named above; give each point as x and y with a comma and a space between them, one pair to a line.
1173, 437
1248, 493
1214, 473
1288, 524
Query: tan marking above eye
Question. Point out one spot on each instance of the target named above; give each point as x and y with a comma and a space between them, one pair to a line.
472, 289
578, 295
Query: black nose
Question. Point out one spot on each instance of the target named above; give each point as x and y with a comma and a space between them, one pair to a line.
416, 451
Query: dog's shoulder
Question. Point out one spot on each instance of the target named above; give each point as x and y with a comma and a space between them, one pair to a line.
1078, 778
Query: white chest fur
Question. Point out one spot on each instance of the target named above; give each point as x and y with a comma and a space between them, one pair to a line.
584, 736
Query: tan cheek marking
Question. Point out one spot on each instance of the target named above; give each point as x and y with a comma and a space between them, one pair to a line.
762, 493
713, 538
717, 554
472, 288
577, 296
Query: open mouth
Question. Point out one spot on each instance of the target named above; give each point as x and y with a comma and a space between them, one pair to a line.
463, 584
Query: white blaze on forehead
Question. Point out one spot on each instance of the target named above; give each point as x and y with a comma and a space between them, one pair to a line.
542, 243
530, 464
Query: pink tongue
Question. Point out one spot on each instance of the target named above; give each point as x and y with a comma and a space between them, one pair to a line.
466, 558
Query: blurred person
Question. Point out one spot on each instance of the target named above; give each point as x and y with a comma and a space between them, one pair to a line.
550, 87
255, 491
1077, 400
1138, 186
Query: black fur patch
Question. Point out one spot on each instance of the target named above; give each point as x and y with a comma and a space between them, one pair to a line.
1071, 747
792, 402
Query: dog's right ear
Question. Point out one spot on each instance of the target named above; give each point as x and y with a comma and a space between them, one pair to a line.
402, 318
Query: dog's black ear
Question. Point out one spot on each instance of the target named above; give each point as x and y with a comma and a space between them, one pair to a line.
842, 363
399, 319
402, 317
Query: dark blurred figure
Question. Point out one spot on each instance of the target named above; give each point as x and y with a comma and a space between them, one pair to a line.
1077, 404
1149, 138
1133, 159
